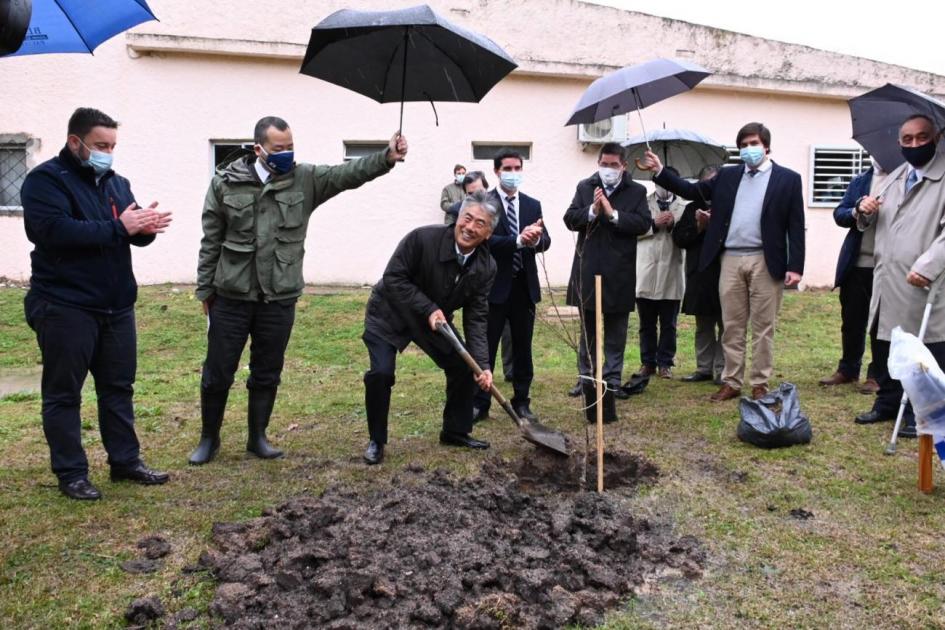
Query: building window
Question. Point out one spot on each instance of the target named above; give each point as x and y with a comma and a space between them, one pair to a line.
734, 156
225, 150
487, 150
355, 149
832, 169
13, 169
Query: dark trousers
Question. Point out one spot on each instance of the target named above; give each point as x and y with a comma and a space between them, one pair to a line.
657, 350
74, 342
519, 312
379, 379
507, 355
268, 324
855, 294
615, 341
889, 395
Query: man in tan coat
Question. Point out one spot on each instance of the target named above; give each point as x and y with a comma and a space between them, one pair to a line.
907, 218
660, 283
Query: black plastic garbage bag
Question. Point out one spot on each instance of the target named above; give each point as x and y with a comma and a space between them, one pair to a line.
774, 420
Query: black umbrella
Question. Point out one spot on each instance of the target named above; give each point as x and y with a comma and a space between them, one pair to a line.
878, 114
405, 55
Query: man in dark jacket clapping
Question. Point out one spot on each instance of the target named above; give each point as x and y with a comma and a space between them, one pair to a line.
608, 212
434, 271
83, 219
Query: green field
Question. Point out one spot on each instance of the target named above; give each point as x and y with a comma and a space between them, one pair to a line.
870, 557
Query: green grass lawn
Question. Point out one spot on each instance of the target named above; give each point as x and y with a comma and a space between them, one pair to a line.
870, 557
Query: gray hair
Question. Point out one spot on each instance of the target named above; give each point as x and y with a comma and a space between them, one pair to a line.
480, 198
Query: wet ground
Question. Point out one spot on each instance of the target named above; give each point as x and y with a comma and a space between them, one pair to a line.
19, 381
520, 545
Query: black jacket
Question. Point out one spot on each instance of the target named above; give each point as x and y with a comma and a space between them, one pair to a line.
503, 247
82, 256
843, 216
702, 287
606, 248
422, 276
782, 215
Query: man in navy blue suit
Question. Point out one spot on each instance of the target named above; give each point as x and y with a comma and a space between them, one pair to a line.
756, 229
519, 235
855, 279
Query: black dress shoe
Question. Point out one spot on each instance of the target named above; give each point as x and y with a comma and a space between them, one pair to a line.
461, 439
619, 392
139, 473
908, 430
522, 411
374, 453
696, 377
80, 489
872, 417
576, 391
480, 414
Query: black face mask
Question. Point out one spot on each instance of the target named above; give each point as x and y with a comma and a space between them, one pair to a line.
919, 156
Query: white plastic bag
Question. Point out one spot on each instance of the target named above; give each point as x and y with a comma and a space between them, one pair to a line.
923, 380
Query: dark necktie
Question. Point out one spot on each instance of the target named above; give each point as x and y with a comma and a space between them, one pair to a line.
752, 172
461, 260
513, 228
609, 190
663, 205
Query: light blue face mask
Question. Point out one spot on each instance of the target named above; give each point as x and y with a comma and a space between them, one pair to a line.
511, 180
100, 161
752, 156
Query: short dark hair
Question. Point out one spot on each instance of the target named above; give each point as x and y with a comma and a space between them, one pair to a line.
612, 148
923, 117
754, 129
458, 167
261, 133
85, 118
472, 176
708, 170
503, 154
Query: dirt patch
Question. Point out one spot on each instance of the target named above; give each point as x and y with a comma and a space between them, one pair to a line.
512, 547
548, 473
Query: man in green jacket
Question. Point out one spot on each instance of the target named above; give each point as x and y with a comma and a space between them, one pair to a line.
249, 274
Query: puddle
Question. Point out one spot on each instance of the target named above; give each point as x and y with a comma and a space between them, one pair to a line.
16, 380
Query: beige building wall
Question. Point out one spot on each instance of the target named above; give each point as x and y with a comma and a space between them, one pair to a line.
199, 76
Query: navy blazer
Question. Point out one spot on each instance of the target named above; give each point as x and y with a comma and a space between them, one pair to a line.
843, 216
782, 215
502, 245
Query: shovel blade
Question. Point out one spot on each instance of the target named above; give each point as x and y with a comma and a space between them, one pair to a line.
540, 435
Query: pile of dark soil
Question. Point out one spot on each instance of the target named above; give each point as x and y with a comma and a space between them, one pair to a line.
512, 547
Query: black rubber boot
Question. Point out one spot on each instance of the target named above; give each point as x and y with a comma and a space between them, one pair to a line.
261, 402
212, 405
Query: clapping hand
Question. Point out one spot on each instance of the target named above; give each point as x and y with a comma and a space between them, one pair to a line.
602, 203
532, 233
702, 219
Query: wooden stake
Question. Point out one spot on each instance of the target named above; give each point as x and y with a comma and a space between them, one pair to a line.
600, 383
925, 464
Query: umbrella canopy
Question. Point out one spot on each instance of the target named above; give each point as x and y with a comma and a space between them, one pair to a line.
410, 54
686, 151
878, 114
635, 87
79, 26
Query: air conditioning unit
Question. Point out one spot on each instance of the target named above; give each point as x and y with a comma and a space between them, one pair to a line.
607, 130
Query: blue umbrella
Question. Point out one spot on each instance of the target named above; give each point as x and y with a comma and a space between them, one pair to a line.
635, 87
79, 26
878, 114
686, 151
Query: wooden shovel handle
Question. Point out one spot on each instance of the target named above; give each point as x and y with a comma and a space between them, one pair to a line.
444, 329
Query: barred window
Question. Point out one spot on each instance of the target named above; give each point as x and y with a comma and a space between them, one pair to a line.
832, 169
488, 150
13, 170
355, 149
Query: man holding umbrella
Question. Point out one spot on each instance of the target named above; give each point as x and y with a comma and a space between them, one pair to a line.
909, 256
249, 273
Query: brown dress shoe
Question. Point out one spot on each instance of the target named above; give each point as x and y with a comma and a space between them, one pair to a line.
666, 372
726, 392
758, 391
837, 378
646, 370
869, 386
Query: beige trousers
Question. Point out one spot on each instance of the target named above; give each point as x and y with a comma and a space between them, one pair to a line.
749, 295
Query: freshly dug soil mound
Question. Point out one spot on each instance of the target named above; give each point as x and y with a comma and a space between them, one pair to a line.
432, 550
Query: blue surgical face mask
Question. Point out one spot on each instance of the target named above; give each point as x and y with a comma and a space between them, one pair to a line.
511, 180
99, 161
460, 178
752, 156
281, 162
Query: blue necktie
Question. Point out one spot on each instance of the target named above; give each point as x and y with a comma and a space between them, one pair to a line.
513, 228
912, 180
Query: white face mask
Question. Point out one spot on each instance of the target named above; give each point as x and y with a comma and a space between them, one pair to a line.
609, 176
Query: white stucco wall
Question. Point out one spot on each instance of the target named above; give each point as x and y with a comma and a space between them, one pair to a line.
171, 106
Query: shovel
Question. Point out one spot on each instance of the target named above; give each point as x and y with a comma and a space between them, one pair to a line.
534, 432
